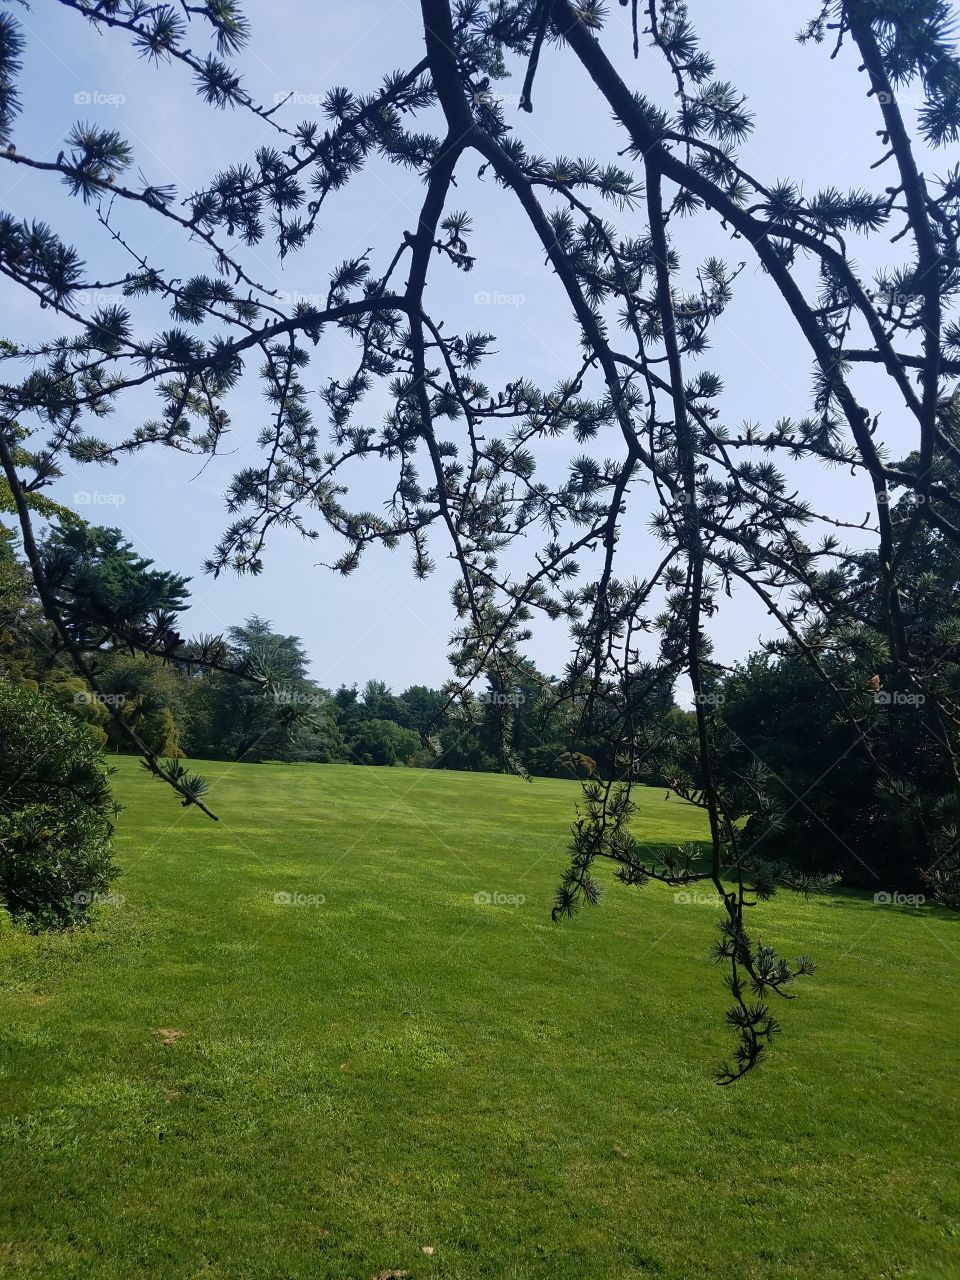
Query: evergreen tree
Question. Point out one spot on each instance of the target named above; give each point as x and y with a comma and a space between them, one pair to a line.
275, 714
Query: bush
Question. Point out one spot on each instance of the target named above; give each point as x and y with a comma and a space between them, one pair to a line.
383, 742
71, 695
55, 811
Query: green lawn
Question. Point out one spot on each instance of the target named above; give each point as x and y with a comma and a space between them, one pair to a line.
209, 1084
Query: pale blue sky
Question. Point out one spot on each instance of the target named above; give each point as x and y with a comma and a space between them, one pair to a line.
814, 124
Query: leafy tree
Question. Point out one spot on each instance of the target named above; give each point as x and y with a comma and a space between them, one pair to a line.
55, 813
348, 709
725, 511
21, 620
378, 701
94, 592
16, 585
383, 742
420, 709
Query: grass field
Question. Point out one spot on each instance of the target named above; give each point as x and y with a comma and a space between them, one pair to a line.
212, 1084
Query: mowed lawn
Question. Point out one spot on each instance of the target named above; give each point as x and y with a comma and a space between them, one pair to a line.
210, 1083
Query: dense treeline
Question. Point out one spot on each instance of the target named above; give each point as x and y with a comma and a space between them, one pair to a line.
251, 698
850, 779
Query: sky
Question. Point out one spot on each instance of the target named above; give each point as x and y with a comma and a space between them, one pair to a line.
814, 124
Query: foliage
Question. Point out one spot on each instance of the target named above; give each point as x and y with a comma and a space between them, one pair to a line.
383, 742
150, 695
55, 811
72, 696
644, 414
107, 592
275, 713
853, 779
19, 616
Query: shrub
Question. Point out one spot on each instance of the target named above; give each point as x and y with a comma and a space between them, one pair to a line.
71, 695
55, 811
383, 742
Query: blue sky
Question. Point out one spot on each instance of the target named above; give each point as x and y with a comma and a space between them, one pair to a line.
814, 124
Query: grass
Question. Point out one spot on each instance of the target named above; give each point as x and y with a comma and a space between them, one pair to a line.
209, 1084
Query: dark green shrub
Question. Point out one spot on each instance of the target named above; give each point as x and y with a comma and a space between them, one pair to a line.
55, 811
383, 742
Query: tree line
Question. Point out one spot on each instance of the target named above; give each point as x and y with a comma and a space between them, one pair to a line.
247, 696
